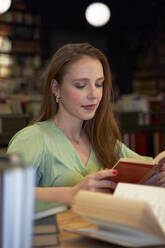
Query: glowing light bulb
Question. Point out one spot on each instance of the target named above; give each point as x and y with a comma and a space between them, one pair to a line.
4, 5
97, 14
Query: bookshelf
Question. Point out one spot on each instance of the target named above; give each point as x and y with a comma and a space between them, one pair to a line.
145, 139
10, 124
149, 75
148, 81
20, 48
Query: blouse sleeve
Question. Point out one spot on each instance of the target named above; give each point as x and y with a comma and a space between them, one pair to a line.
28, 143
128, 153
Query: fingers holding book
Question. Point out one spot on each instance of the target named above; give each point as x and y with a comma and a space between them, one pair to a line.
158, 179
162, 163
162, 178
98, 182
162, 167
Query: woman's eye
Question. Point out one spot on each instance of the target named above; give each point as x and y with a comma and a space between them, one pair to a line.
99, 84
80, 86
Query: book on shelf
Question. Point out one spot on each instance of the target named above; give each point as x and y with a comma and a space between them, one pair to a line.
134, 216
145, 86
45, 229
26, 46
155, 111
137, 170
145, 142
5, 30
140, 141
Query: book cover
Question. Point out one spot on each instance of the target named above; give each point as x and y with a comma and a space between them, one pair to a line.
136, 170
141, 143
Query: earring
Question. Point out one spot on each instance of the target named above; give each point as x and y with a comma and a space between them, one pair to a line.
57, 99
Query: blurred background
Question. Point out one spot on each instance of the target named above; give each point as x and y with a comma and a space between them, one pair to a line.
133, 40
130, 39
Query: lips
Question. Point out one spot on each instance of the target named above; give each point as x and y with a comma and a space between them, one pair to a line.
89, 107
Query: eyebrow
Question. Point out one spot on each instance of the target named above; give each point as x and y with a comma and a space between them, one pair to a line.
85, 79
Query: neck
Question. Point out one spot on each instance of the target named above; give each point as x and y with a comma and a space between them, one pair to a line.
72, 129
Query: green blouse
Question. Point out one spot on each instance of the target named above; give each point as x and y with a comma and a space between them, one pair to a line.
49, 151
55, 160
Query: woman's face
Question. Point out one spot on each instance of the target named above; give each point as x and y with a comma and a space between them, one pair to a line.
81, 89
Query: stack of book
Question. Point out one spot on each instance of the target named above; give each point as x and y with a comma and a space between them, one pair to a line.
45, 231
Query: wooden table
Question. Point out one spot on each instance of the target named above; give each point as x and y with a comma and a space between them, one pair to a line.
69, 219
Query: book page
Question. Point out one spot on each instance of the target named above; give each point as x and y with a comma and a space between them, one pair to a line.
135, 160
117, 212
160, 158
155, 196
128, 220
131, 240
52, 211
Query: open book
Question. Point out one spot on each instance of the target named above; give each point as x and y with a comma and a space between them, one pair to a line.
134, 216
137, 170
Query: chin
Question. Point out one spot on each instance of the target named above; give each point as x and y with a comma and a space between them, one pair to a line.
89, 117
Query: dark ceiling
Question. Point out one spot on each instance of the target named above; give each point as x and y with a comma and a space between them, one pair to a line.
131, 31
125, 14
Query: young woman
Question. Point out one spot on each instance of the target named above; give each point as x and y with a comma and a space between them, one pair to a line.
75, 134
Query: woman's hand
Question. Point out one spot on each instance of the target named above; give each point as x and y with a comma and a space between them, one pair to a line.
97, 182
158, 179
94, 182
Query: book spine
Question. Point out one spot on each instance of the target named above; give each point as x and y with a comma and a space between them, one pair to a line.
156, 110
46, 232
156, 143
46, 225
150, 145
129, 140
126, 139
46, 240
141, 143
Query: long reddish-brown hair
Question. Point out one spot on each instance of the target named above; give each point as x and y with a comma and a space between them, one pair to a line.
102, 130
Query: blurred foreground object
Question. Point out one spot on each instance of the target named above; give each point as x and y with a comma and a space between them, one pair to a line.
17, 202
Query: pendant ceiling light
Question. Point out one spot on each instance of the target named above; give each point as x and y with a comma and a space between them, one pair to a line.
4, 5
97, 14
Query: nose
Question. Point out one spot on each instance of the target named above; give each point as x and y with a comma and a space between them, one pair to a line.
92, 92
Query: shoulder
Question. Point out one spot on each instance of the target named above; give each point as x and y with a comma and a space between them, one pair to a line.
37, 130
30, 132
28, 142
126, 152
